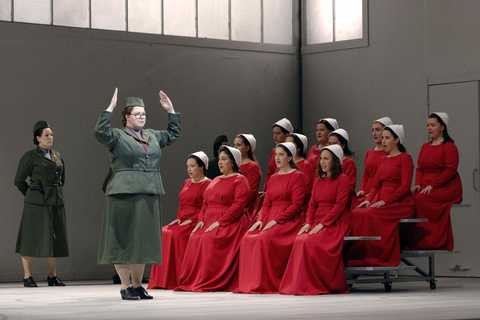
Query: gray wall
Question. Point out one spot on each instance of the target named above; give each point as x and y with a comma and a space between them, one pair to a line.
67, 76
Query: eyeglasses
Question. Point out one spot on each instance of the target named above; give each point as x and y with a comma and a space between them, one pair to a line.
139, 115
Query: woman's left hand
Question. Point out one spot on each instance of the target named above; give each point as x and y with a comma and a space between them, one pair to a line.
317, 228
270, 224
184, 223
166, 103
213, 226
378, 204
427, 189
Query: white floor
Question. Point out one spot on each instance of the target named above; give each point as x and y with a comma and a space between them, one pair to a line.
457, 298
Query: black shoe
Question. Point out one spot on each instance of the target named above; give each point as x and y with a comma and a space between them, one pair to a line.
29, 282
142, 293
144, 280
55, 282
116, 279
129, 294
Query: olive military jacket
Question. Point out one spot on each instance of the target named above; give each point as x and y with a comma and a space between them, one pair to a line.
38, 167
136, 171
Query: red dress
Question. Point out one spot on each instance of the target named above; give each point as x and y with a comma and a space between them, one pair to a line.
316, 262
392, 185
211, 258
309, 174
175, 238
253, 174
264, 254
350, 170
368, 180
437, 167
272, 166
313, 156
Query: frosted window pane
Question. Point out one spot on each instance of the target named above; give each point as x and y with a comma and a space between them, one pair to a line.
145, 16
246, 20
319, 21
6, 10
108, 14
348, 20
180, 17
277, 21
71, 13
213, 19
33, 11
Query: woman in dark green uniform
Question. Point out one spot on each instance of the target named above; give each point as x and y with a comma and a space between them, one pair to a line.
43, 230
131, 226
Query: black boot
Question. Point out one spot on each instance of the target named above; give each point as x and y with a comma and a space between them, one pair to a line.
128, 294
29, 282
142, 293
55, 282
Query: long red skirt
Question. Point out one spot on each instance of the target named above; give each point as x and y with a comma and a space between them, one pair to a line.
174, 243
264, 256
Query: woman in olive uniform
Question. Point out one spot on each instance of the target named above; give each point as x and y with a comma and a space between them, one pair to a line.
43, 230
131, 227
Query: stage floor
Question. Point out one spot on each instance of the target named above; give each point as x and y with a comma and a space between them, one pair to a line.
454, 298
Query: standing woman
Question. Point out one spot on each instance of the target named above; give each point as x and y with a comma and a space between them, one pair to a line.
437, 187
175, 235
131, 228
211, 257
43, 229
246, 144
266, 247
316, 264
340, 137
389, 201
324, 127
372, 158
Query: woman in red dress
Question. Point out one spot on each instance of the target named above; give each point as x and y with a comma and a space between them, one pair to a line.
211, 257
389, 201
246, 144
265, 249
324, 127
176, 234
437, 187
340, 137
372, 157
316, 262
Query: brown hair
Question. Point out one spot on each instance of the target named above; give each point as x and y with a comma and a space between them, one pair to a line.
298, 143
337, 168
124, 115
292, 163
250, 154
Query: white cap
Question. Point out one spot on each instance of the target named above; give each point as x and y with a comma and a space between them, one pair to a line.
386, 121
304, 140
251, 140
202, 156
341, 132
337, 151
399, 131
444, 116
285, 124
290, 146
331, 121
236, 154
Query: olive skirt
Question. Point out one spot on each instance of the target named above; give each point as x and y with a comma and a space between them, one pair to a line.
131, 230
35, 237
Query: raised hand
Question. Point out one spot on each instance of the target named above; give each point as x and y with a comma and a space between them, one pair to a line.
166, 103
113, 103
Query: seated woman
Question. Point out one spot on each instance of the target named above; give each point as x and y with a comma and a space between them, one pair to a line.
175, 235
265, 249
389, 201
211, 257
324, 127
340, 137
437, 187
246, 144
372, 157
316, 264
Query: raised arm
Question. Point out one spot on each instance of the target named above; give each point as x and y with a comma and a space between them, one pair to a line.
103, 133
174, 129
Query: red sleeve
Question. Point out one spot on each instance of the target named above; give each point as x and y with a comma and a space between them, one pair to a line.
237, 208
406, 164
351, 172
313, 204
271, 169
419, 174
201, 215
363, 183
267, 204
180, 206
376, 185
298, 197
254, 178
309, 176
194, 218
343, 194
451, 165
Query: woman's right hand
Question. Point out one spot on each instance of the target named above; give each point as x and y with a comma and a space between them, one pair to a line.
176, 221
416, 188
257, 225
305, 228
198, 226
113, 103
360, 193
364, 204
